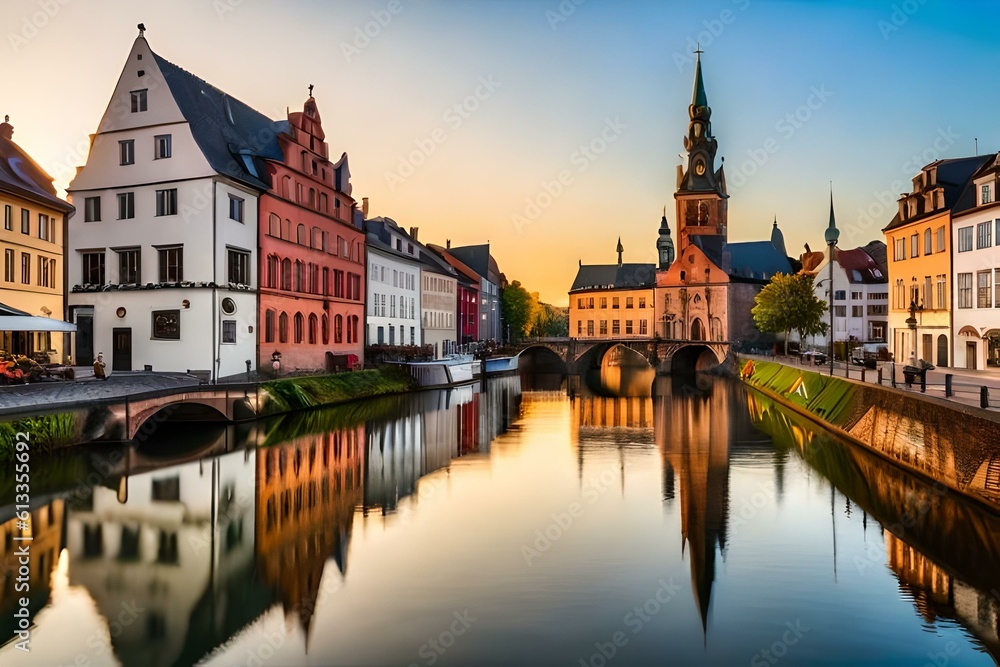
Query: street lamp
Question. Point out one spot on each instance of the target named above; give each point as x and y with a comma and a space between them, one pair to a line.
831, 235
911, 322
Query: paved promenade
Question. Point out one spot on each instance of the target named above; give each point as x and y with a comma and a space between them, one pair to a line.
65, 393
966, 384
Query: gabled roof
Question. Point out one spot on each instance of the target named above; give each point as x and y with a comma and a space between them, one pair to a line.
955, 177
861, 268
465, 273
749, 260
230, 134
612, 276
22, 176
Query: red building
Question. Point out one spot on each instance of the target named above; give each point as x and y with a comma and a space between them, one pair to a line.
467, 296
312, 255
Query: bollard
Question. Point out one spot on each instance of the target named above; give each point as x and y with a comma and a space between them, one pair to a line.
863, 374
892, 371
948, 391
880, 377
923, 382
984, 397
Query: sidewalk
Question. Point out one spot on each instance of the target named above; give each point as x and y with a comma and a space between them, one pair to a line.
966, 384
45, 395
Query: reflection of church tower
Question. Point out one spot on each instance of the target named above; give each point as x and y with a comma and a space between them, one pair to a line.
694, 435
701, 189
307, 491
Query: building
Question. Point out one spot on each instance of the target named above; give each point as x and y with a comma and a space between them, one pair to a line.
708, 292
919, 243
467, 295
612, 301
312, 255
163, 243
491, 284
438, 301
33, 240
976, 273
860, 294
393, 285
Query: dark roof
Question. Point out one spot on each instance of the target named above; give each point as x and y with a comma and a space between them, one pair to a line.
231, 135
22, 176
955, 177
861, 267
612, 276
750, 260
465, 274
377, 235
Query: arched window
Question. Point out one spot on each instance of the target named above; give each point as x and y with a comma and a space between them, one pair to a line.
312, 329
286, 187
300, 235
697, 330
313, 278
352, 329
299, 326
286, 274
269, 326
274, 226
283, 328
299, 276
338, 329
326, 330
272, 271
286, 230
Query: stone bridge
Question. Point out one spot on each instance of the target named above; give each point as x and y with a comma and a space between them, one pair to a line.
219, 403
581, 354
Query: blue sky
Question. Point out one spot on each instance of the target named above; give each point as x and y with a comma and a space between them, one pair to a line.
890, 84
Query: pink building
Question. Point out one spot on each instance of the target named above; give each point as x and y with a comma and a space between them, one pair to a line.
312, 255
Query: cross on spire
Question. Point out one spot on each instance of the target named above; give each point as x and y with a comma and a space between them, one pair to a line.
310, 90
698, 49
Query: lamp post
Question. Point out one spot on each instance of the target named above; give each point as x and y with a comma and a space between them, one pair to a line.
831, 235
911, 322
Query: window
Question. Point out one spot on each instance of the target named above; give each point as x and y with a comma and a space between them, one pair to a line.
928, 248
927, 295
138, 100
628, 327
162, 147
44, 272
614, 302
92, 209
93, 268
171, 265
46, 228
643, 327
8, 265
642, 302
590, 327
604, 303
984, 280
590, 303
274, 226
126, 205
25, 268
602, 327
940, 239
338, 329
269, 326
857, 311
238, 263
235, 208
579, 324
985, 194
166, 324
629, 302
899, 250
616, 327
283, 328
300, 235
313, 325
840, 295
965, 239
8, 218
128, 266
840, 311
166, 202
942, 303
126, 152
856, 296
25, 221
984, 235
996, 289
325, 329
915, 246
299, 326
965, 290
286, 274
229, 332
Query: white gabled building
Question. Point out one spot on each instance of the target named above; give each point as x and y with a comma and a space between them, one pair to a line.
393, 297
163, 244
976, 273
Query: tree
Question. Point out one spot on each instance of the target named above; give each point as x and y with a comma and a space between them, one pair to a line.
789, 303
517, 306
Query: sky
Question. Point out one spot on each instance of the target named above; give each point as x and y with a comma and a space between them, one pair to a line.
552, 127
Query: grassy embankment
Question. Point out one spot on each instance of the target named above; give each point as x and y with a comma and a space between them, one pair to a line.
280, 396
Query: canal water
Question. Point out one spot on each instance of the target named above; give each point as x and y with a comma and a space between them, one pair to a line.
555, 523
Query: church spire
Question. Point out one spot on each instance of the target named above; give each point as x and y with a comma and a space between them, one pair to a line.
620, 250
698, 97
665, 244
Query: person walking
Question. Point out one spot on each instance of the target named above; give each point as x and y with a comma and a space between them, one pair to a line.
99, 367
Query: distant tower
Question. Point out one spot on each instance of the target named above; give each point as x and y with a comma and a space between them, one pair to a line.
665, 244
701, 189
778, 239
620, 251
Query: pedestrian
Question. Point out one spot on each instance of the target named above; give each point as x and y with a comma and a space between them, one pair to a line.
99, 366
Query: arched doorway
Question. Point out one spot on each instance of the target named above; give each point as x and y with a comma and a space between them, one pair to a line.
942, 350
697, 330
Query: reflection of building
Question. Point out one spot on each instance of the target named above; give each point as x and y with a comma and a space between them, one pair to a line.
612, 411
307, 490
181, 547
46, 531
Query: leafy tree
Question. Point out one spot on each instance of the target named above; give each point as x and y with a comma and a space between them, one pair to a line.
789, 303
516, 305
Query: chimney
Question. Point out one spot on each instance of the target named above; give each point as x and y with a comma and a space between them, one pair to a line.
413, 232
447, 244
6, 129
364, 207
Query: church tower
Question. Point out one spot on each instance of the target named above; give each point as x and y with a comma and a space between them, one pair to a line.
665, 244
701, 189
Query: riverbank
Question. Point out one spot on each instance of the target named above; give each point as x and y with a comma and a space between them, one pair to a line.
951, 444
112, 411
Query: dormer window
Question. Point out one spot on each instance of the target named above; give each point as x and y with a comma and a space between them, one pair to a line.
986, 194
138, 100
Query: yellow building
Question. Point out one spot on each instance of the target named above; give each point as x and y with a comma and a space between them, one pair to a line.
609, 301
919, 250
33, 240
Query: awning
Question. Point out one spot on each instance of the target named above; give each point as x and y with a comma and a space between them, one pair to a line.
12, 319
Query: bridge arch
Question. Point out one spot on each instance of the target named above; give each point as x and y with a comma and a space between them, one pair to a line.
541, 359
145, 422
695, 358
